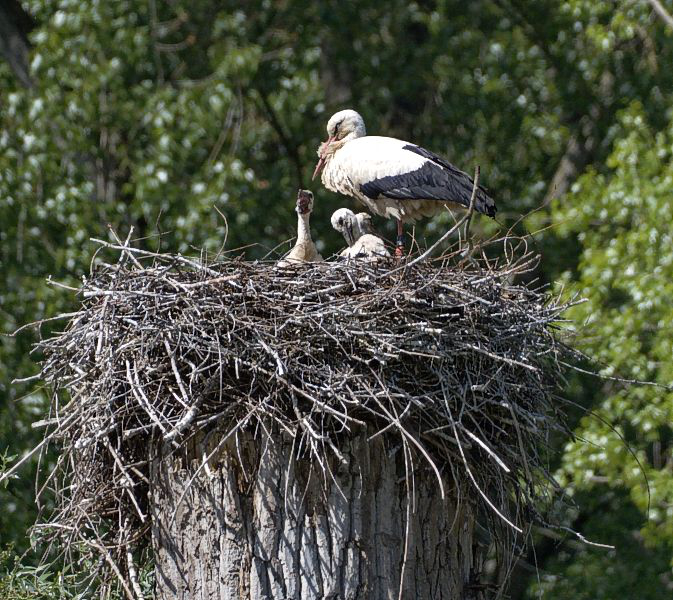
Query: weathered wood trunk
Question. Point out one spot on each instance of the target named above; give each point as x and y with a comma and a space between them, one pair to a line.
15, 24
258, 524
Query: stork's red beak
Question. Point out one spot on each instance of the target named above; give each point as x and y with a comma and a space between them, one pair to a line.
321, 154
318, 167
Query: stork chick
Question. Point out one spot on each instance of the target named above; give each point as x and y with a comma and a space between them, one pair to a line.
391, 177
304, 249
358, 233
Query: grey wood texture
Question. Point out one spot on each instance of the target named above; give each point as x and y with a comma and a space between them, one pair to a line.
257, 524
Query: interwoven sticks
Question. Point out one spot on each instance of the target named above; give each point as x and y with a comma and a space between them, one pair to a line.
456, 361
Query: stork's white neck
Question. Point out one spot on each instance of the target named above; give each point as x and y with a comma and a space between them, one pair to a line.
303, 229
353, 135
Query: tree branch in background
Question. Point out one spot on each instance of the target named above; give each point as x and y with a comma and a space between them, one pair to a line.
585, 126
15, 24
583, 144
155, 40
572, 162
662, 12
290, 147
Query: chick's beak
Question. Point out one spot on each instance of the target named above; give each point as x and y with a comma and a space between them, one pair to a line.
349, 232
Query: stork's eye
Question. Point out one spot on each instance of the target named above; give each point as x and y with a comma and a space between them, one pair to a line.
336, 127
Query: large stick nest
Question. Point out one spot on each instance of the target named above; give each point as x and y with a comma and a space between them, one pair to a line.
453, 358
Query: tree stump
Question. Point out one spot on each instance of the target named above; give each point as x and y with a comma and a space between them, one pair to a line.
258, 523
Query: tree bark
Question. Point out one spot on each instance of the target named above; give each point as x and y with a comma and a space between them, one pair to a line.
15, 24
258, 523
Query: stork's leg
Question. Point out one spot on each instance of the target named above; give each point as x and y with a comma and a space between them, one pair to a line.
399, 248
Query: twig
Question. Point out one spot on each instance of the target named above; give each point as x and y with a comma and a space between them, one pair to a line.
662, 12
130, 563
470, 212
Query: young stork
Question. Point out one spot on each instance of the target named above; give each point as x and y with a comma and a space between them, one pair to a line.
304, 249
359, 235
393, 178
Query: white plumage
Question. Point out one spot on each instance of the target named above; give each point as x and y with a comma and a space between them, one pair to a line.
304, 249
358, 233
393, 178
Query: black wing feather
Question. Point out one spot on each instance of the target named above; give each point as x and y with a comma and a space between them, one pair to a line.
437, 179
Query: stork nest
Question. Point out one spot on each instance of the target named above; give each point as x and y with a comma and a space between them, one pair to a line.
456, 359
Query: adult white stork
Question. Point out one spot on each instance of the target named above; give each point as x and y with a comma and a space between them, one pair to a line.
393, 178
304, 249
359, 235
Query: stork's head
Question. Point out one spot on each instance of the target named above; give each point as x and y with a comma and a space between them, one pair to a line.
343, 126
344, 221
304, 202
345, 123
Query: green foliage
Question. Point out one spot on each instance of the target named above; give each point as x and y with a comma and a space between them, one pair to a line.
581, 572
195, 122
24, 582
622, 220
20, 581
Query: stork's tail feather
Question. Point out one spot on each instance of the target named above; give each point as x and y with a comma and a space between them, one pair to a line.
483, 203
